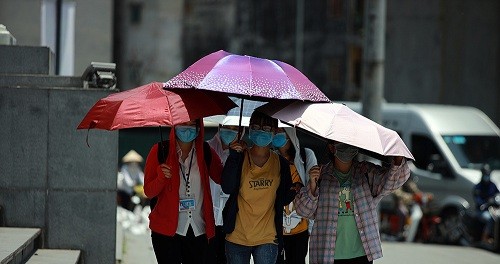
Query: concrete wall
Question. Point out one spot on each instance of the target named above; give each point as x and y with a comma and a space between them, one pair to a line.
49, 178
150, 47
445, 52
93, 28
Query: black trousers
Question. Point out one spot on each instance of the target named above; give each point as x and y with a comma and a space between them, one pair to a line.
180, 249
216, 248
358, 260
295, 247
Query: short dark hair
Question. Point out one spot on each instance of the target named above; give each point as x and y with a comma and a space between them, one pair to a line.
263, 120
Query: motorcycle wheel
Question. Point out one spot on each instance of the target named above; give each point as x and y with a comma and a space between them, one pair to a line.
451, 226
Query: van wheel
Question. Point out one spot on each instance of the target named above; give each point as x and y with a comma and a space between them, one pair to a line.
451, 226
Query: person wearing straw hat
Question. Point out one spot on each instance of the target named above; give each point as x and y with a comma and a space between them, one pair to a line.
129, 176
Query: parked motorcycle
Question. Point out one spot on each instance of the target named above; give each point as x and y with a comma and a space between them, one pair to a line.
420, 226
474, 227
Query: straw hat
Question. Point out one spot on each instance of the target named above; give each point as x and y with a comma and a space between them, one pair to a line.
132, 156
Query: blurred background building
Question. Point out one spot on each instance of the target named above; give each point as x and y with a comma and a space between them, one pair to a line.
444, 52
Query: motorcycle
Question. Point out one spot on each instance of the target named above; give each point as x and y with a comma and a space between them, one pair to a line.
420, 226
474, 226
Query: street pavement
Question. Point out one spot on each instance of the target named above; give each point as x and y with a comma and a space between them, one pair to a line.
137, 248
133, 237
416, 253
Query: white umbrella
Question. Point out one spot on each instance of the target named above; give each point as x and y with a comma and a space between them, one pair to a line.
233, 116
339, 123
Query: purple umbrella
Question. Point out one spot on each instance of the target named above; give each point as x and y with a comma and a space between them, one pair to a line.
247, 77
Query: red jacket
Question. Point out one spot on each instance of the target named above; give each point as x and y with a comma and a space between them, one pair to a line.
165, 216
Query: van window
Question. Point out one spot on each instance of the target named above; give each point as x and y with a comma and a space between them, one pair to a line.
422, 149
474, 151
427, 156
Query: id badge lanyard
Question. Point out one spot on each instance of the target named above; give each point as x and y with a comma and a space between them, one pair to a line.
188, 203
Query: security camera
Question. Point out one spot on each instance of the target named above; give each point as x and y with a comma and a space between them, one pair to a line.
100, 75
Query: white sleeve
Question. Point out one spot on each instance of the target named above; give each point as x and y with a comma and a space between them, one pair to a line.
310, 159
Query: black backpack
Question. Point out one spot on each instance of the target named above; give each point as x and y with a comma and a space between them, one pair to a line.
163, 147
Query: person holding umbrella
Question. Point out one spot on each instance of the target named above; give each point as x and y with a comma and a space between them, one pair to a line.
182, 221
295, 228
342, 198
221, 141
259, 184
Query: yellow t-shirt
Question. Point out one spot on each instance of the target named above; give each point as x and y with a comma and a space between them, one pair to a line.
255, 218
292, 222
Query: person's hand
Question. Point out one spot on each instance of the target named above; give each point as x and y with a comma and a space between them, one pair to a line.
239, 146
166, 170
296, 187
314, 173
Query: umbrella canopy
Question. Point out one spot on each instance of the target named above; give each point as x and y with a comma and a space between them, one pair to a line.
151, 105
247, 77
339, 123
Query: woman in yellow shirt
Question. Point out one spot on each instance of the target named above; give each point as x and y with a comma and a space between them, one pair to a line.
258, 182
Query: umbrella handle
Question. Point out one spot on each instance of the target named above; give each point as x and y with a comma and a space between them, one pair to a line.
239, 121
91, 125
162, 154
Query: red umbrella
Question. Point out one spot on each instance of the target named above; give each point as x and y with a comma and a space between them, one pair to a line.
150, 105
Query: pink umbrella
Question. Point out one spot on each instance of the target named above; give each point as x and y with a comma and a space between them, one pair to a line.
248, 77
339, 123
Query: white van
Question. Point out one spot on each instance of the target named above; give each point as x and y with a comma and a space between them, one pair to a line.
450, 144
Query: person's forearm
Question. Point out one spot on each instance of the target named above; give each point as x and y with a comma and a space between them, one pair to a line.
306, 204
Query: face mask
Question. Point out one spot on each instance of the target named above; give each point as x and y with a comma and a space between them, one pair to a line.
227, 135
279, 140
260, 138
345, 153
186, 133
